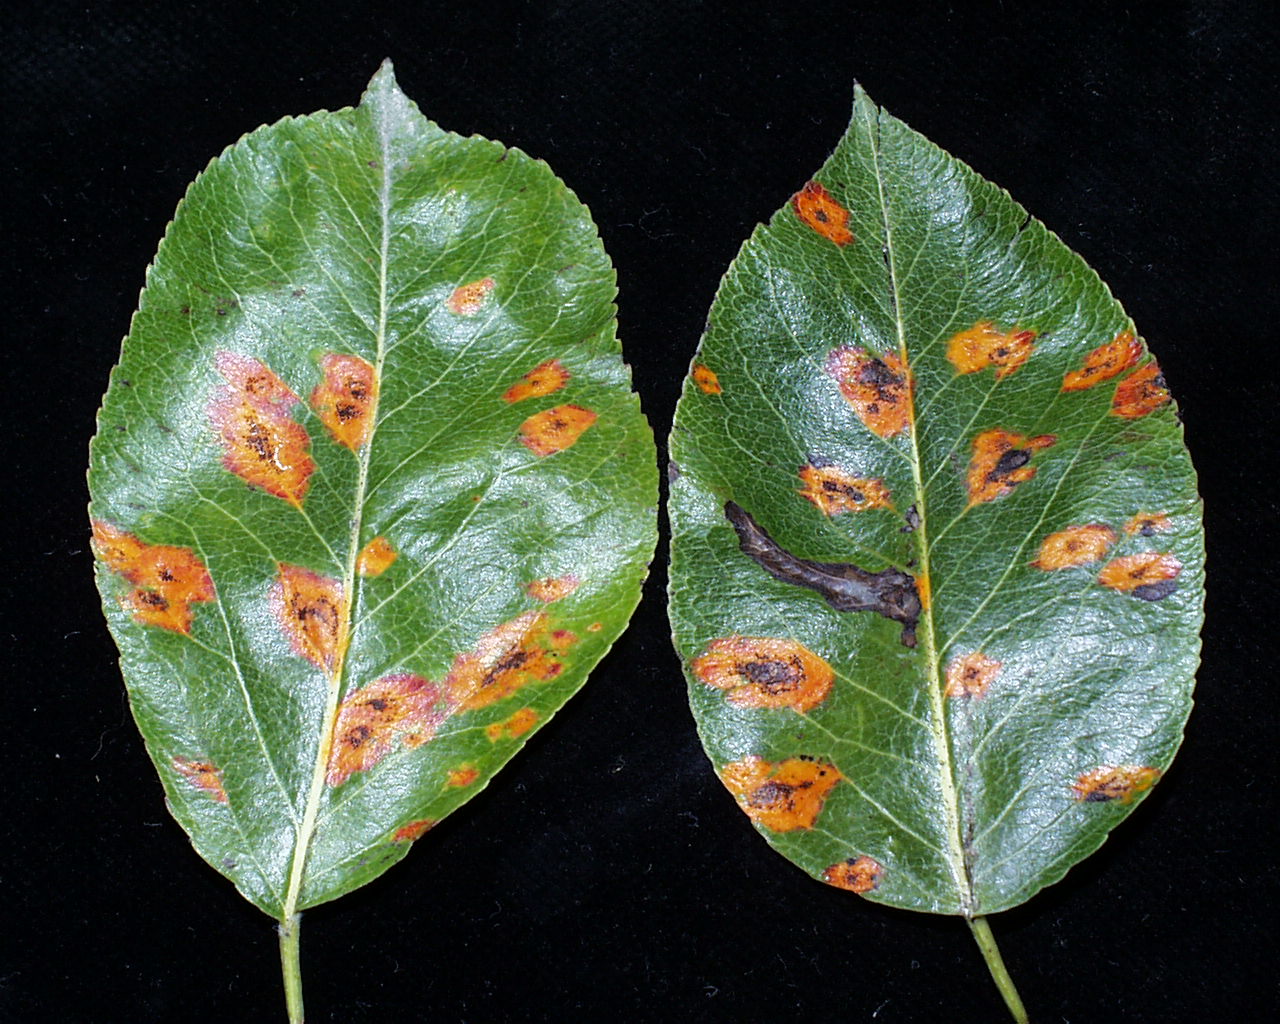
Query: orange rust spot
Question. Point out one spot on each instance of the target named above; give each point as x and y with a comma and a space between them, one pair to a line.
202, 776
879, 389
1142, 392
262, 443
503, 661
462, 777
1000, 462
345, 398
1147, 524
469, 299
1076, 545
706, 379
861, 874
1104, 362
544, 379
835, 491
376, 557
971, 674
984, 344
763, 672
554, 430
514, 727
818, 209
784, 796
1149, 575
414, 830
310, 609
167, 580
370, 720
1115, 782
553, 588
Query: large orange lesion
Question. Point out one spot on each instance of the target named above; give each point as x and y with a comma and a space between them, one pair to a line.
818, 209
504, 660
1001, 461
401, 707
878, 387
376, 557
346, 397
311, 610
512, 727
783, 796
544, 379
857, 874
554, 430
166, 579
201, 775
262, 443
1075, 546
1150, 575
1104, 362
984, 344
1141, 393
1115, 782
971, 674
765, 672
835, 491
468, 299
706, 379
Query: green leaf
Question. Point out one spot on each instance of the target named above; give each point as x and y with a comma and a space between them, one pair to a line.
371, 493
936, 546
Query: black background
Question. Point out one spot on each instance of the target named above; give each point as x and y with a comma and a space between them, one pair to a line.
605, 875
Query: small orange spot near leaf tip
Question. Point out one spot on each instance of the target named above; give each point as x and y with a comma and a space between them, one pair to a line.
202, 776
544, 379
513, 727
878, 388
857, 874
1149, 575
818, 209
1075, 546
414, 830
345, 398
402, 707
469, 299
706, 379
782, 796
1104, 362
262, 443
763, 672
311, 611
1115, 782
503, 661
553, 588
554, 430
462, 777
1141, 393
1000, 462
1147, 524
167, 580
971, 674
984, 344
835, 491
376, 557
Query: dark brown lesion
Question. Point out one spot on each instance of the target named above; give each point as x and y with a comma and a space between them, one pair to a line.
846, 587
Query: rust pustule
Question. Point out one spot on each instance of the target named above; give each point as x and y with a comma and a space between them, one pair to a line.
818, 209
834, 491
402, 707
166, 579
1115, 782
346, 397
783, 796
857, 874
877, 387
554, 430
1075, 546
1001, 461
1104, 362
765, 672
544, 379
984, 344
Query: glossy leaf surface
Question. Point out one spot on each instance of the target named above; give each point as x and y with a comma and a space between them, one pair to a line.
371, 492
937, 551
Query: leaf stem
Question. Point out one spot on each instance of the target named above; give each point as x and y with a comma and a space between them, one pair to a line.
290, 965
995, 964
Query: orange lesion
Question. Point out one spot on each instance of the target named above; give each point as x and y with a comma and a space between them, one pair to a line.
1149, 575
1104, 362
706, 379
857, 874
765, 672
402, 707
971, 674
504, 660
201, 775
166, 580
1075, 546
819, 210
512, 727
262, 443
1141, 393
413, 830
553, 588
554, 430
1148, 524
878, 388
544, 379
346, 397
468, 299
984, 344
835, 491
462, 776
311, 610
376, 557
783, 796
1115, 782
1001, 461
